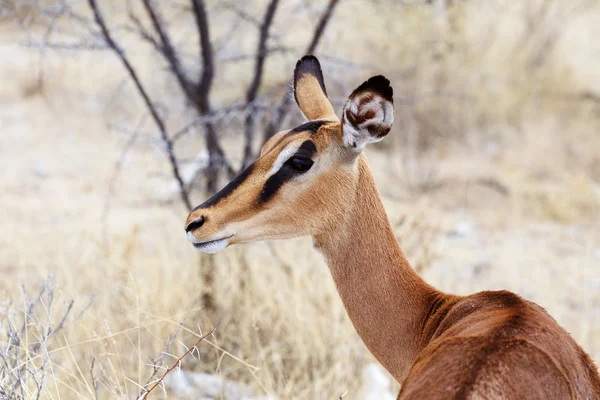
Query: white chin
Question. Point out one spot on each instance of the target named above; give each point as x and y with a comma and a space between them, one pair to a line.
214, 246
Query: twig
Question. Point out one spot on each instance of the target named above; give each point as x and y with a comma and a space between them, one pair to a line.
153, 112
115, 175
176, 364
231, 58
82, 45
167, 50
156, 363
141, 30
320, 28
95, 378
17, 368
240, 13
220, 114
261, 55
286, 101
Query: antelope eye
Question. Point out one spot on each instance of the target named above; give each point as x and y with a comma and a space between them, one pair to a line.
300, 164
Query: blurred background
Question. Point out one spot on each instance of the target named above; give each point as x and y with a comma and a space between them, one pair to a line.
118, 116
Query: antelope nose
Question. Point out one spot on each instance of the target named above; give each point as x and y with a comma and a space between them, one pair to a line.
195, 224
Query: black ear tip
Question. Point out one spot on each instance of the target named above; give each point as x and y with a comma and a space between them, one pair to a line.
310, 65
381, 85
308, 58
379, 80
378, 84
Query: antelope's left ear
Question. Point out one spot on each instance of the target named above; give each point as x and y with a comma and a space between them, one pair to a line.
368, 114
309, 90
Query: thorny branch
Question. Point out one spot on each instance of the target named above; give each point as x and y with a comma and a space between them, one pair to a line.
157, 362
151, 108
176, 364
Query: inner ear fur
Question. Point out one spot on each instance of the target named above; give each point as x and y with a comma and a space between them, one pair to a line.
310, 92
369, 113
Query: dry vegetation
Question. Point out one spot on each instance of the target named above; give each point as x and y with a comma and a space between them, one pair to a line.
491, 178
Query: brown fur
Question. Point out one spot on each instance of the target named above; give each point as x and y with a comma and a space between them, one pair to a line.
487, 345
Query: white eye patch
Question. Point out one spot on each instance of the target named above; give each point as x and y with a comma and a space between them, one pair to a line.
285, 155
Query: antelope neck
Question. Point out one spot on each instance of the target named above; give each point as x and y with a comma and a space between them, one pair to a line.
386, 300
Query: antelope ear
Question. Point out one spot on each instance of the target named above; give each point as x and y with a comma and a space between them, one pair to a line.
310, 92
368, 114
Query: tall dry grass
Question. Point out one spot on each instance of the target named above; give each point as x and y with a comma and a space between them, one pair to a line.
490, 177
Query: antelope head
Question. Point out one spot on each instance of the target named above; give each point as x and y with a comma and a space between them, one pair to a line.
305, 179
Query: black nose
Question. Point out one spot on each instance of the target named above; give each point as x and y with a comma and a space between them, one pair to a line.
195, 224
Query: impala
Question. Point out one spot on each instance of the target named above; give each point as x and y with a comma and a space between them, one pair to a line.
314, 180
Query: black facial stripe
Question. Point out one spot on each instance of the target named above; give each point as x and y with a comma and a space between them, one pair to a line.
275, 182
311, 126
285, 173
226, 191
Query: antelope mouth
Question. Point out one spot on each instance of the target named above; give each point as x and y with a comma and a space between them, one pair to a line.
210, 246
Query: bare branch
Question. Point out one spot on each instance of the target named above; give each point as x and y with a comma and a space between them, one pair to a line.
286, 101
142, 31
168, 51
261, 55
157, 363
207, 57
320, 28
151, 108
232, 58
82, 45
95, 378
217, 159
233, 111
175, 365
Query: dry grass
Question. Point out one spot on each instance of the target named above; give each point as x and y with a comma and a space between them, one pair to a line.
491, 179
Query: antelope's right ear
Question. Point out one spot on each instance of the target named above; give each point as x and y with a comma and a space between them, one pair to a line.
310, 92
368, 114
